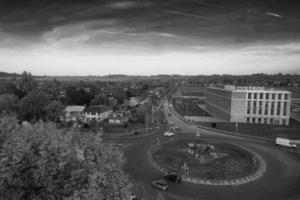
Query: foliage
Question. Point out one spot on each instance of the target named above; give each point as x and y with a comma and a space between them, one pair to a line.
78, 96
99, 99
32, 106
53, 110
8, 103
26, 82
42, 162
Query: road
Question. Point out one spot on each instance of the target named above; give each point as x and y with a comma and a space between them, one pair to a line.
280, 181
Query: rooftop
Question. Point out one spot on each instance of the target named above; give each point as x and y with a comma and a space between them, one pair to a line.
246, 88
97, 109
74, 108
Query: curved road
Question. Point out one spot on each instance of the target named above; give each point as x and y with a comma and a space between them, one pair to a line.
281, 180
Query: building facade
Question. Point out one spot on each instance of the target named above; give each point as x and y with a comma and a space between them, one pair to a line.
249, 104
96, 112
73, 113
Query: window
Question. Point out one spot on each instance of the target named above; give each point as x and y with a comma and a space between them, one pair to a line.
248, 107
266, 108
248, 119
272, 108
265, 120
255, 95
253, 120
267, 95
249, 95
283, 121
278, 108
279, 96
261, 95
284, 108
259, 120
273, 96
260, 108
285, 96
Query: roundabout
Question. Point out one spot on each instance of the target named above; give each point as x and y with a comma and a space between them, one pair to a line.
276, 178
210, 163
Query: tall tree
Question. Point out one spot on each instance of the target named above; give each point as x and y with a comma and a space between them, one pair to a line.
42, 162
26, 82
53, 110
32, 106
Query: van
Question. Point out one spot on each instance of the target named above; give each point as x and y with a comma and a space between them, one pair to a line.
285, 142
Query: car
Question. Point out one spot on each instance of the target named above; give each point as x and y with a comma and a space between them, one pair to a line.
169, 134
160, 184
173, 177
164, 121
285, 142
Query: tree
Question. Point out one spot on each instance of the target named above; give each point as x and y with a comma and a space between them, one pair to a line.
8, 103
140, 115
99, 99
32, 106
42, 162
53, 110
27, 82
112, 102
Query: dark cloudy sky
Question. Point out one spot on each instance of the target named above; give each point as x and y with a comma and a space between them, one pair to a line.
97, 37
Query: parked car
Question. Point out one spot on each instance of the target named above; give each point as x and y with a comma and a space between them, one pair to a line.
164, 121
169, 134
173, 177
160, 184
285, 142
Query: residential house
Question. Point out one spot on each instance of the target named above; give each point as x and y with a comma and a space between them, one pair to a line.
97, 112
120, 117
73, 113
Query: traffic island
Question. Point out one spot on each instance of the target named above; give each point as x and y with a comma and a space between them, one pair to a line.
208, 163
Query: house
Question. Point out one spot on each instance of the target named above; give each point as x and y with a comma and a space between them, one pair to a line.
119, 117
73, 113
96, 112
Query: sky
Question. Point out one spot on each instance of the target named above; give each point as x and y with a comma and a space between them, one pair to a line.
149, 37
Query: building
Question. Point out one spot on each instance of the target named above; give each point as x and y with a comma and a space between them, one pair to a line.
96, 112
73, 113
249, 104
119, 117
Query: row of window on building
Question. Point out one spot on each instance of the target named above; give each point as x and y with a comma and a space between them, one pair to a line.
268, 96
261, 120
262, 108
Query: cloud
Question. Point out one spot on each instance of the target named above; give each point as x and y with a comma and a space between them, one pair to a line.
122, 5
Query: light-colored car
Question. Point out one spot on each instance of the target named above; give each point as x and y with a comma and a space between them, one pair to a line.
285, 142
160, 184
169, 134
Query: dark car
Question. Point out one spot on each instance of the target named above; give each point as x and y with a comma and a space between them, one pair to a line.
173, 177
160, 184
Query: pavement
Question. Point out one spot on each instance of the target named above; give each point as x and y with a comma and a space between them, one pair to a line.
280, 181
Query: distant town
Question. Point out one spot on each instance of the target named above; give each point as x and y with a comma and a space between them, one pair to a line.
153, 136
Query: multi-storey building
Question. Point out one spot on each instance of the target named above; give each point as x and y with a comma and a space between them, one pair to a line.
249, 104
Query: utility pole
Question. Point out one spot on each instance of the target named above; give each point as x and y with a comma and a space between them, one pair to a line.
146, 122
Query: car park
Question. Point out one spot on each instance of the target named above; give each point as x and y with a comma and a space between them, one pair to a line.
173, 177
160, 184
169, 134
